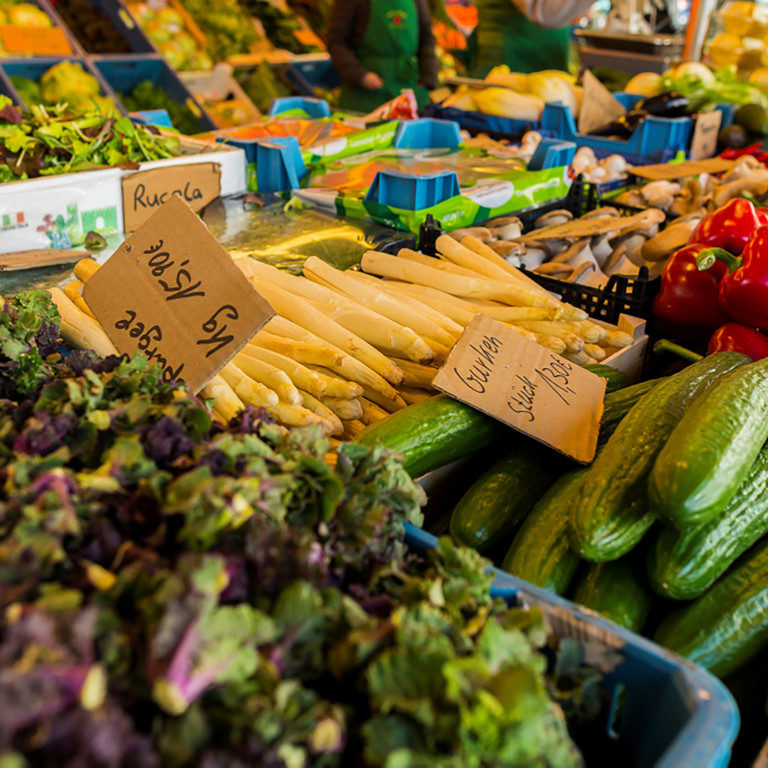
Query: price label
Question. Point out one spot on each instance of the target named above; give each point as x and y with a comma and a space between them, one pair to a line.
47, 41
704, 141
172, 292
499, 372
598, 105
147, 191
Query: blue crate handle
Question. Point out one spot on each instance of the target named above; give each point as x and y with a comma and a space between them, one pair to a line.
313, 107
427, 133
279, 164
413, 193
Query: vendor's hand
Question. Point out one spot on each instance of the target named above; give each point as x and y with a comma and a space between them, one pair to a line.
371, 81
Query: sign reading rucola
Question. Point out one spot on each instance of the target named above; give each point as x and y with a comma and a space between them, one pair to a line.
500, 372
173, 293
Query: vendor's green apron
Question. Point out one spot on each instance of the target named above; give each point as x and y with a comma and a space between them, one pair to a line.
505, 36
389, 49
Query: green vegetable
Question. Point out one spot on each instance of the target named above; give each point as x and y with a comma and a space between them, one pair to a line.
683, 564
712, 449
728, 625
146, 95
493, 508
725, 88
189, 594
618, 404
611, 514
615, 379
616, 591
228, 28
45, 142
541, 552
434, 433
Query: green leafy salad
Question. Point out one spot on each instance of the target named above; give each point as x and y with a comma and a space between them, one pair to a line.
51, 140
175, 592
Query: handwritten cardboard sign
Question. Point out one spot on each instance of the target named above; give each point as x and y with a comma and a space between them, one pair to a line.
172, 292
147, 191
500, 372
704, 141
598, 105
584, 227
681, 170
47, 41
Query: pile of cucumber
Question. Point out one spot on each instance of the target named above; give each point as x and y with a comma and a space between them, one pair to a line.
661, 533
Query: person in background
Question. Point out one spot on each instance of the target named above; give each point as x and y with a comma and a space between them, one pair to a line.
380, 47
526, 35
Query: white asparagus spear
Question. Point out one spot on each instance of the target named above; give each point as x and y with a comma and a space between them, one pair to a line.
80, 330
478, 288
302, 313
375, 299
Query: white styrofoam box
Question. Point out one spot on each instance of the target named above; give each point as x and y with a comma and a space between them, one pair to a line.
57, 211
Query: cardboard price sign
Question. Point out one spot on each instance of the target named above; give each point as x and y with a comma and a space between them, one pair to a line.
172, 292
704, 141
500, 372
682, 170
598, 105
47, 41
147, 191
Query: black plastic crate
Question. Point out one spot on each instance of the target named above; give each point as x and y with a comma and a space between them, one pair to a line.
621, 295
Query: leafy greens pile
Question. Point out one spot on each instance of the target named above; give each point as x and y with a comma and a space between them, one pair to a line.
48, 141
226, 25
724, 87
147, 95
175, 592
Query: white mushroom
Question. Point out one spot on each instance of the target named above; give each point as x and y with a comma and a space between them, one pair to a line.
614, 164
483, 234
601, 247
506, 227
552, 218
659, 190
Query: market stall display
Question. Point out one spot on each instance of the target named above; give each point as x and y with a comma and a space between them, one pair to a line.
244, 568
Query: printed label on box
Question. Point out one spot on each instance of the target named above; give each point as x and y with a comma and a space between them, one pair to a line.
37, 41
517, 381
172, 292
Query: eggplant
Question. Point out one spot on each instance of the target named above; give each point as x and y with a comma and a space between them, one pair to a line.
622, 127
670, 104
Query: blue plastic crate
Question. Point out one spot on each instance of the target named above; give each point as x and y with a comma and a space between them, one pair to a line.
478, 122
125, 25
674, 714
655, 140
35, 68
124, 73
306, 75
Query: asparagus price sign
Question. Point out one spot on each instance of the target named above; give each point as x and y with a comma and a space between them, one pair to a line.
173, 293
498, 371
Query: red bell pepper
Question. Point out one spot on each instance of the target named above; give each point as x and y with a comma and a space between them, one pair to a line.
730, 226
739, 338
744, 289
686, 307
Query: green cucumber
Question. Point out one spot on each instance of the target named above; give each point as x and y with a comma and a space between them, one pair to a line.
435, 432
541, 553
712, 449
682, 565
615, 590
728, 625
617, 405
492, 509
614, 378
611, 513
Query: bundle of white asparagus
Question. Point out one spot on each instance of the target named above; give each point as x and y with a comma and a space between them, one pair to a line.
346, 348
